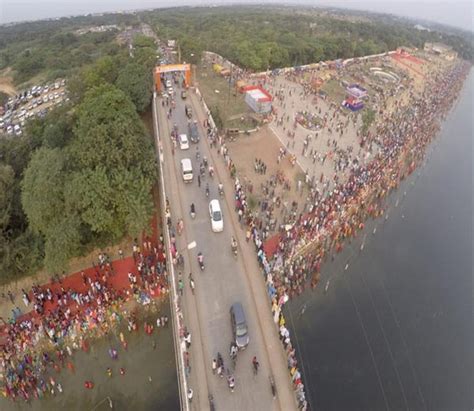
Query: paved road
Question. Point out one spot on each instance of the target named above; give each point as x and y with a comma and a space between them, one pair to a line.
222, 283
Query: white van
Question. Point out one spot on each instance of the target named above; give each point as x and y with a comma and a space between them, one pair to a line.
187, 170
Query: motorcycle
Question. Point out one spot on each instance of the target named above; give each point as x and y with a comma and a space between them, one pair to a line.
233, 246
221, 189
231, 382
192, 212
233, 353
207, 190
200, 259
212, 406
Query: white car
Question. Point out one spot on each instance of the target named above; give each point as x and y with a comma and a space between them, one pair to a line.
51, 97
183, 142
217, 222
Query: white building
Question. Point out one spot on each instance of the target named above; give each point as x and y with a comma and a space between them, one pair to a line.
258, 99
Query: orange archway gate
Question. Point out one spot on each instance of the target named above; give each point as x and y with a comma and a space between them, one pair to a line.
168, 68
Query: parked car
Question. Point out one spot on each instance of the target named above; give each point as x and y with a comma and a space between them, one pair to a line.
215, 213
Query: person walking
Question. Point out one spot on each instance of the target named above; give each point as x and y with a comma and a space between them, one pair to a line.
214, 366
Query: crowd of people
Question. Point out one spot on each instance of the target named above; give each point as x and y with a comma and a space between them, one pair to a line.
255, 227
336, 209
69, 312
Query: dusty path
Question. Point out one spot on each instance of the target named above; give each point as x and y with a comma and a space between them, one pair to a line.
6, 82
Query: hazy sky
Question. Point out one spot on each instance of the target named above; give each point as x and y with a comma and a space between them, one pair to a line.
457, 13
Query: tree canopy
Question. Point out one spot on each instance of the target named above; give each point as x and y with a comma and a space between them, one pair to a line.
259, 37
137, 83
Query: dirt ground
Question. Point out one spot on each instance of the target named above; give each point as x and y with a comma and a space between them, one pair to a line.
6, 82
265, 146
231, 103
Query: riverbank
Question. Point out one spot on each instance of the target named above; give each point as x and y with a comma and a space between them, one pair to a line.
406, 296
70, 313
149, 380
337, 209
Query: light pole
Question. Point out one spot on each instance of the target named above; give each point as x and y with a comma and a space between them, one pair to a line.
194, 69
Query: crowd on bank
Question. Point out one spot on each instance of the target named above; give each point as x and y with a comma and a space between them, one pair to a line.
67, 313
338, 211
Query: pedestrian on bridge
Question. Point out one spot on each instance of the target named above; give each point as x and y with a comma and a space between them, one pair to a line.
180, 287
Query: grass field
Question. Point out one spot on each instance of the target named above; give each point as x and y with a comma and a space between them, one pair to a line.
334, 91
216, 92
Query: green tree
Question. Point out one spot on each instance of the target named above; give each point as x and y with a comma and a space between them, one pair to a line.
63, 241
43, 189
104, 70
7, 181
111, 155
43, 200
137, 82
143, 41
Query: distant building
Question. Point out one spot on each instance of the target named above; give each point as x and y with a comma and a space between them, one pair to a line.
258, 99
353, 104
441, 50
356, 91
421, 28
97, 29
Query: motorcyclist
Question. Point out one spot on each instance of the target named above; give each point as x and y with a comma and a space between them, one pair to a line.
231, 382
221, 188
193, 209
207, 189
233, 244
200, 258
233, 350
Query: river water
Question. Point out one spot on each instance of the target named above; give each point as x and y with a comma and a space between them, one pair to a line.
394, 330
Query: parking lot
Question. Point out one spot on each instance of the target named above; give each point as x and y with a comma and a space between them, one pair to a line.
34, 102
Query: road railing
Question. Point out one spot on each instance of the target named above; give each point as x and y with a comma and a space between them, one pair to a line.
176, 314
